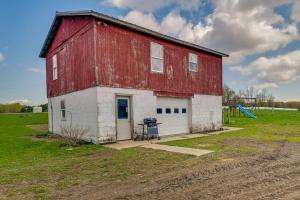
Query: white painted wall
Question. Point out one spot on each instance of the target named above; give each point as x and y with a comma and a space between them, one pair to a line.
81, 112
143, 105
94, 110
206, 113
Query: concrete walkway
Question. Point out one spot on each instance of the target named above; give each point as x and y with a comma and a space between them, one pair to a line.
183, 150
153, 143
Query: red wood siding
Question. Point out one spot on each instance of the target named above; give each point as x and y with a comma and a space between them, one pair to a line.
123, 58
73, 44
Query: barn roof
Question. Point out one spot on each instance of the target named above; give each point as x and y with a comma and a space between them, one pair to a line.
106, 18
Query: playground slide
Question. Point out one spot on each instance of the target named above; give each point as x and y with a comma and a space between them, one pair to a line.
245, 111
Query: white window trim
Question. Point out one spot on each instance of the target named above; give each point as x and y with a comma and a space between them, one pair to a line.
54, 67
190, 61
155, 57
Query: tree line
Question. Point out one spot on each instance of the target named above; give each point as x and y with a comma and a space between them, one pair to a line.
19, 108
264, 98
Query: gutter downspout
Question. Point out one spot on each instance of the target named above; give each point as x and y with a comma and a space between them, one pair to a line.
97, 80
51, 115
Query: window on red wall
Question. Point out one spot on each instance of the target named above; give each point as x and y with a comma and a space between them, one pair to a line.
193, 62
54, 67
157, 57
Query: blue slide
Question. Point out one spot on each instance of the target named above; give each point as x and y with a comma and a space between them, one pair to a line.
245, 111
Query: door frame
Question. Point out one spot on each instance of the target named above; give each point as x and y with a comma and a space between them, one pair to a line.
130, 115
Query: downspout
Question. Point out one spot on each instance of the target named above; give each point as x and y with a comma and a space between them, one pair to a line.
97, 80
52, 129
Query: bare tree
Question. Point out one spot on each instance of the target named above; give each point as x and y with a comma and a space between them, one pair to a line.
228, 94
73, 136
249, 92
265, 98
270, 100
241, 93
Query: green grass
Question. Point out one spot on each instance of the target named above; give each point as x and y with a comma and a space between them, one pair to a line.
40, 168
268, 127
16, 146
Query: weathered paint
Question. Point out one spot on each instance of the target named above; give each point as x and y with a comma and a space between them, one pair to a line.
94, 53
124, 60
73, 44
93, 110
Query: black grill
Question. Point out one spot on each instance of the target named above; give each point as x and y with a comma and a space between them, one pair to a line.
150, 121
151, 128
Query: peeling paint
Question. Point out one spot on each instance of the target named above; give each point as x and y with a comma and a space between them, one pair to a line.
123, 60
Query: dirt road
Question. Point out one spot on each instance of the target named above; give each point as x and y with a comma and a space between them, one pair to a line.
273, 174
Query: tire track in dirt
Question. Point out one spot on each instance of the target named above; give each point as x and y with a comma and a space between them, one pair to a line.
275, 174
267, 177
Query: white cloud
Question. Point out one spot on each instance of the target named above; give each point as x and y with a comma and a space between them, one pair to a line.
149, 6
1, 57
271, 72
141, 19
21, 101
172, 24
296, 11
145, 5
36, 70
240, 28
265, 86
244, 28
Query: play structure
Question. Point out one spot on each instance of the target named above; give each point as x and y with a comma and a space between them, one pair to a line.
245, 111
239, 107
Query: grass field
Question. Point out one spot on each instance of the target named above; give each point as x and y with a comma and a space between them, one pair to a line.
280, 125
40, 169
35, 169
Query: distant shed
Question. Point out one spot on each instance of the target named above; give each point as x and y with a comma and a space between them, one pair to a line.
37, 109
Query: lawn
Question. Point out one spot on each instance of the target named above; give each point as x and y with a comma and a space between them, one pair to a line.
36, 169
41, 169
268, 127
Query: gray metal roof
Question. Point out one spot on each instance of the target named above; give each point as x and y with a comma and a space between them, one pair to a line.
106, 18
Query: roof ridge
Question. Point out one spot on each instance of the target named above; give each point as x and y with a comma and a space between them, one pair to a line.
120, 23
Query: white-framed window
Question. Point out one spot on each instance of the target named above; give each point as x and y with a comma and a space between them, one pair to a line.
63, 109
157, 57
193, 62
54, 67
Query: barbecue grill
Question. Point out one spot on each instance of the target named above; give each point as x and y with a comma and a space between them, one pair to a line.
151, 128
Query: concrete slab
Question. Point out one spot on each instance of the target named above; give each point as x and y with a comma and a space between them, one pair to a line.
182, 150
130, 143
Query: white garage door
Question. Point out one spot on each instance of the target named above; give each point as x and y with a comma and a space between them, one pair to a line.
173, 114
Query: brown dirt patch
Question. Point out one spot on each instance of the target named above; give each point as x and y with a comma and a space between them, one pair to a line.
285, 134
273, 174
39, 127
99, 155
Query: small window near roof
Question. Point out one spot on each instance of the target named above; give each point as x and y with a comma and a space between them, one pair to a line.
193, 62
159, 110
183, 110
54, 67
157, 57
63, 109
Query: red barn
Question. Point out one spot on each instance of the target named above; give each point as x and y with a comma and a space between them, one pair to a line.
105, 75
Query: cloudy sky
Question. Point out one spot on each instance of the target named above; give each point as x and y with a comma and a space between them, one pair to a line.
261, 36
